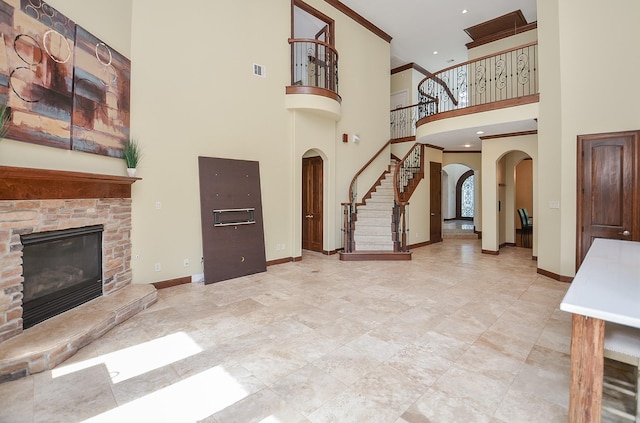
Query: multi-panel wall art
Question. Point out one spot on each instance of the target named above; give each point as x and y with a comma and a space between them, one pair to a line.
66, 88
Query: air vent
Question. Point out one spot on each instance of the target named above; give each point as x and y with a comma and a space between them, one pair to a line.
259, 70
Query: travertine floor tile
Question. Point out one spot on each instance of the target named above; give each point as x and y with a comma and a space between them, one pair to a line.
453, 335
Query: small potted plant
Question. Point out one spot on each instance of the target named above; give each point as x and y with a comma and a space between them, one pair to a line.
5, 120
132, 153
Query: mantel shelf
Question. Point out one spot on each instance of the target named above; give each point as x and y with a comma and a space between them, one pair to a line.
18, 183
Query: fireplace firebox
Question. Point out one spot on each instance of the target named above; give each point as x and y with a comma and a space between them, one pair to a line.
62, 269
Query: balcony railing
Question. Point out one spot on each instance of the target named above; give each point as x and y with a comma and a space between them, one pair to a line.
314, 64
403, 119
506, 75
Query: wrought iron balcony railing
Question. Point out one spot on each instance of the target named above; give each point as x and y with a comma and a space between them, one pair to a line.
314, 64
506, 75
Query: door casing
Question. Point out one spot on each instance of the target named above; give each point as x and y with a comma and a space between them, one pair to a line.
608, 188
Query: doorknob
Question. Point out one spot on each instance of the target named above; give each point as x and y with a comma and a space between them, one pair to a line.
309, 216
624, 233
433, 214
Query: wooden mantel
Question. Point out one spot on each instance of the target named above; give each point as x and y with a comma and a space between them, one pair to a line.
19, 183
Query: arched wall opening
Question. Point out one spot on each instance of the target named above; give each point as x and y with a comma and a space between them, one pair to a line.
500, 156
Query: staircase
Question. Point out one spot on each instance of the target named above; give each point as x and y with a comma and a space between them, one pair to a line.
373, 226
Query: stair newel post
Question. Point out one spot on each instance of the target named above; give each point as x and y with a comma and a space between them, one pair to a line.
395, 227
345, 227
404, 210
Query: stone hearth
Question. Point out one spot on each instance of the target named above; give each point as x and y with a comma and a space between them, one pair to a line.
35, 200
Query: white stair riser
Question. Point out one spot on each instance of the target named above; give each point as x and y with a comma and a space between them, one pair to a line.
373, 225
373, 230
374, 221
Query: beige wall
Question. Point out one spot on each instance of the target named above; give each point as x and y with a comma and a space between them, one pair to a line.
193, 94
407, 80
474, 161
604, 35
225, 111
503, 44
498, 168
524, 189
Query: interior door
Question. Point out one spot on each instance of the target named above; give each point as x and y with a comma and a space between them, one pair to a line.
608, 184
435, 222
312, 203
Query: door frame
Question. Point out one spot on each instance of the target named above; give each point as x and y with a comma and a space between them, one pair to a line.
321, 202
580, 212
435, 168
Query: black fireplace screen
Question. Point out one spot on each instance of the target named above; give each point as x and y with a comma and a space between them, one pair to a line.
62, 269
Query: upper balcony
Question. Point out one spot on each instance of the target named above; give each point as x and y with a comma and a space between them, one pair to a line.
314, 78
505, 79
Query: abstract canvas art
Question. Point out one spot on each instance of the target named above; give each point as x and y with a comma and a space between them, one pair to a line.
100, 120
65, 88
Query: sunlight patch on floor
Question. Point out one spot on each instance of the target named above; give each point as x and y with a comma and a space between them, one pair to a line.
139, 359
188, 400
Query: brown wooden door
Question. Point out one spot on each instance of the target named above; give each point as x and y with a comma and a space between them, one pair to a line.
608, 184
435, 172
312, 203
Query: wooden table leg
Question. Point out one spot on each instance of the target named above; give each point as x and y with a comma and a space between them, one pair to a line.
587, 366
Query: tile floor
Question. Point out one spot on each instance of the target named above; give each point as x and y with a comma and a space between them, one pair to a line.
451, 336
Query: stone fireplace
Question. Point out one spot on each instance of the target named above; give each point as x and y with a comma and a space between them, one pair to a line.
35, 200
61, 269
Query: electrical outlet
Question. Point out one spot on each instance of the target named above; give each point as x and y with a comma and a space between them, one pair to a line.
157, 267
185, 262
158, 205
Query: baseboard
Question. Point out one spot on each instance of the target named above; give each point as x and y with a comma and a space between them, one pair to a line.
421, 244
490, 252
555, 276
297, 259
329, 253
172, 282
279, 261
479, 233
190, 279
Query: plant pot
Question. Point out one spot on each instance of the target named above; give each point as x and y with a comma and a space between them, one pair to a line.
131, 171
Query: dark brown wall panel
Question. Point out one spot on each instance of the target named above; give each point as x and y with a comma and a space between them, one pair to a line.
231, 214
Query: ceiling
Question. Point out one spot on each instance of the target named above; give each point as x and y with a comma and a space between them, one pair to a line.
420, 27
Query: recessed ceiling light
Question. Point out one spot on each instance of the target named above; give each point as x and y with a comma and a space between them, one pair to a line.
435, 52
480, 132
467, 145
464, 11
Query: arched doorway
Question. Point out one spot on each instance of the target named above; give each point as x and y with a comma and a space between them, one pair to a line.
459, 193
465, 196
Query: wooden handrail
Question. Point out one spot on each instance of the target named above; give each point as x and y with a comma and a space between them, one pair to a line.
311, 40
486, 57
442, 84
431, 98
396, 189
353, 181
468, 62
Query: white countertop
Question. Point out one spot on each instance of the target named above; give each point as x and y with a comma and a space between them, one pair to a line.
607, 285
